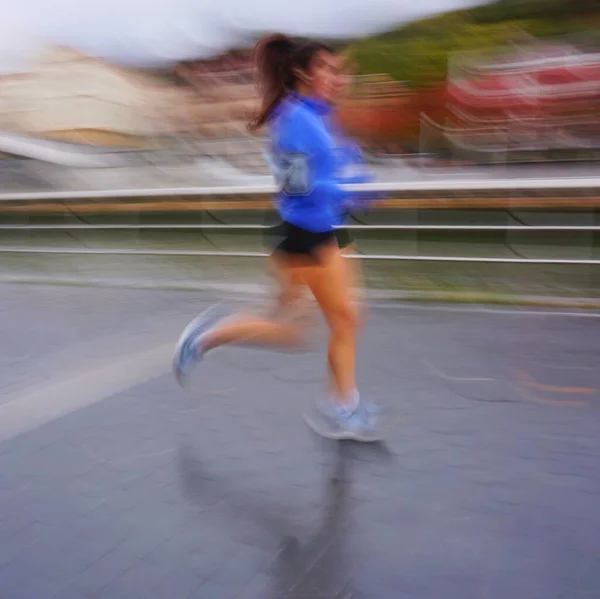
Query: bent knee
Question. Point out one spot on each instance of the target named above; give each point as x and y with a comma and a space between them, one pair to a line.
345, 315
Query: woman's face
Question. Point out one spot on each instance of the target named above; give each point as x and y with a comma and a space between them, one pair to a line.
327, 82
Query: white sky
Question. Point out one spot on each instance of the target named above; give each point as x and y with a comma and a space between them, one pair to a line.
151, 32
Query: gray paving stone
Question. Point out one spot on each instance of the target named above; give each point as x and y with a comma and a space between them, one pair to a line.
212, 590
239, 568
136, 582
97, 576
177, 583
259, 587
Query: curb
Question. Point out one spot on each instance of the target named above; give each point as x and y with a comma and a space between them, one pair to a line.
256, 289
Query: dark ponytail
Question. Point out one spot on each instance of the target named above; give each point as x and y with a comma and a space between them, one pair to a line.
277, 59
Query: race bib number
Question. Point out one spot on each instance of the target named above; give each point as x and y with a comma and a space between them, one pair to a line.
292, 173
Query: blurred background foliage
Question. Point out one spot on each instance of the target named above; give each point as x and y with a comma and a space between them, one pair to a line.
417, 54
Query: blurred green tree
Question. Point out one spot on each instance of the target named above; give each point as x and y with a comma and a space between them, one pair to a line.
417, 54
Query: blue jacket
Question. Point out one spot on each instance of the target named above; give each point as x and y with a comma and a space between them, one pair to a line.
311, 159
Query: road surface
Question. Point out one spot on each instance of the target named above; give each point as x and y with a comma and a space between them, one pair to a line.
116, 484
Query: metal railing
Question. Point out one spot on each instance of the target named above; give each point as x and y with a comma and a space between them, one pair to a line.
456, 187
255, 227
567, 184
248, 254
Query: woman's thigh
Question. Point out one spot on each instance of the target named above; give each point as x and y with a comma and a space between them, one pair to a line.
330, 283
292, 299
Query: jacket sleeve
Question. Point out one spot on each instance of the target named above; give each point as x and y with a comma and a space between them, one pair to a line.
355, 171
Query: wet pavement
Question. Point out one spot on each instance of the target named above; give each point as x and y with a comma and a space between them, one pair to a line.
115, 483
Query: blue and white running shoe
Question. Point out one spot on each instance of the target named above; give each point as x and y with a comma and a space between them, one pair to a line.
363, 424
189, 347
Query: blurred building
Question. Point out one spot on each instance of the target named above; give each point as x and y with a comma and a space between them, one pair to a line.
542, 98
66, 95
375, 87
225, 96
377, 110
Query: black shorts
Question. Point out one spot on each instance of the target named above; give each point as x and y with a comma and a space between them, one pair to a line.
294, 240
344, 238
301, 242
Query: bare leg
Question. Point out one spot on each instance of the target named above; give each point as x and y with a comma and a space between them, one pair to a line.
244, 329
354, 280
329, 283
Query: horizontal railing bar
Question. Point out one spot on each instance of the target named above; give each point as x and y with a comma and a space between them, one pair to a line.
481, 259
126, 252
241, 254
405, 227
570, 183
476, 227
125, 227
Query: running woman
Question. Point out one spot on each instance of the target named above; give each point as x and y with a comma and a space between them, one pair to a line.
351, 170
299, 83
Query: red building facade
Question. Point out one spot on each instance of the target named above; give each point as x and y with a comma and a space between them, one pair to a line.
534, 101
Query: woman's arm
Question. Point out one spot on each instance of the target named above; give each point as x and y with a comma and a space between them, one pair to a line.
356, 171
